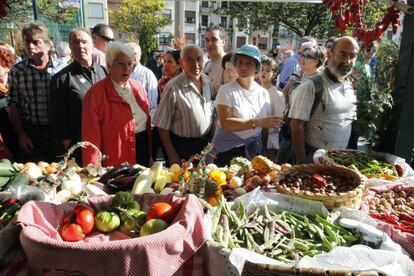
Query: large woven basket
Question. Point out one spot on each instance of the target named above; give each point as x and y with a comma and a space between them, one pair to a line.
255, 269
350, 199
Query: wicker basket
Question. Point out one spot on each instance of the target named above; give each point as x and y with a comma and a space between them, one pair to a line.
350, 199
254, 269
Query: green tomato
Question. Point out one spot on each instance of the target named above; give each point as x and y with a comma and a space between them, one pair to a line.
135, 221
107, 221
128, 213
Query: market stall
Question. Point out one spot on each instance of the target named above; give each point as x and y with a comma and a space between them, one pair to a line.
210, 220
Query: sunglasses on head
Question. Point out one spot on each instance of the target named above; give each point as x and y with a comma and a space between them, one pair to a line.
107, 39
308, 56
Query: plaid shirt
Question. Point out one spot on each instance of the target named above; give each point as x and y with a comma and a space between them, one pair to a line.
29, 91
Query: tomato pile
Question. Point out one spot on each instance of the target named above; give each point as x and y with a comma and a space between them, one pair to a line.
123, 214
78, 223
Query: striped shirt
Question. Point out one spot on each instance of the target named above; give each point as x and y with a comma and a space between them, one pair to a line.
29, 91
183, 110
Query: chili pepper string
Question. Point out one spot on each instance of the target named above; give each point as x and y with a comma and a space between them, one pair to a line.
350, 13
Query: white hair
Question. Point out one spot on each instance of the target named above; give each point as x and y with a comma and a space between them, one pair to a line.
135, 46
115, 48
62, 49
188, 47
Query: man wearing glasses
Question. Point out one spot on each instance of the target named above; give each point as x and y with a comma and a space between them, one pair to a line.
102, 34
329, 126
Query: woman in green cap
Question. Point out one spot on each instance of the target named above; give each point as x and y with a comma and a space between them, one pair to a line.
243, 109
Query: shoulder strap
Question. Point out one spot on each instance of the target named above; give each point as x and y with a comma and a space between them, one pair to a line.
317, 82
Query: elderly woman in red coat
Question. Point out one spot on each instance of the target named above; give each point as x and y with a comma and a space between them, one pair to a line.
115, 113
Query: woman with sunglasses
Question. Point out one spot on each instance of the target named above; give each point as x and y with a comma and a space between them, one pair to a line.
311, 62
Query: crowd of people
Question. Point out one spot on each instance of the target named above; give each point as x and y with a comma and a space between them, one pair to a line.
245, 103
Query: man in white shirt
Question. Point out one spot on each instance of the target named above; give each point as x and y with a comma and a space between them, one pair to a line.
330, 125
214, 41
146, 77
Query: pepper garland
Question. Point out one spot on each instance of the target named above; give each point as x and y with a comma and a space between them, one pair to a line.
350, 12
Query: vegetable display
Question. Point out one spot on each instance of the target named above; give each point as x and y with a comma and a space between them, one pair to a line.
9, 208
283, 236
365, 164
77, 223
328, 183
395, 208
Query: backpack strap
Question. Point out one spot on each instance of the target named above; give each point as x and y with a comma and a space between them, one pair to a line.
317, 82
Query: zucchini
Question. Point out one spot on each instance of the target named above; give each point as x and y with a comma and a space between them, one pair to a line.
6, 169
19, 179
4, 180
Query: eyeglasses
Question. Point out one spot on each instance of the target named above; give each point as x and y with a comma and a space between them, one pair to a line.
308, 56
107, 39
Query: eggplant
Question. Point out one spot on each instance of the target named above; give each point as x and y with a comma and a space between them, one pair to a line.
123, 183
135, 172
122, 169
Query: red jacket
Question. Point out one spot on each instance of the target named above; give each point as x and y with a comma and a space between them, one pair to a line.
108, 123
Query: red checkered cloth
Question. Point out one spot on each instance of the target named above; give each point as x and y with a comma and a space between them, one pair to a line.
15, 264
406, 240
163, 253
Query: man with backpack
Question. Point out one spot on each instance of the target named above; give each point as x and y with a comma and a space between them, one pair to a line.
322, 117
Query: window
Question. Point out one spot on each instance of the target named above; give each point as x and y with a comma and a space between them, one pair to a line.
204, 20
262, 43
95, 10
224, 4
241, 40
190, 16
167, 13
204, 4
165, 39
190, 37
224, 22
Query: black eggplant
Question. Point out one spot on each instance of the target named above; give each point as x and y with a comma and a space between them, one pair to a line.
122, 169
123, 183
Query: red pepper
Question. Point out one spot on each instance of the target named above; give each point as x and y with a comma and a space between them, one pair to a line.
407, 224
404, 229
407, 217
318, 180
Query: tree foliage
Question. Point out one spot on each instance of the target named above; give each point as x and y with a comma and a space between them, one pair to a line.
59, 11
142, 20
301, 18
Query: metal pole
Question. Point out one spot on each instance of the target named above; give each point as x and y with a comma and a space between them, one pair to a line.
35, 10
82, 12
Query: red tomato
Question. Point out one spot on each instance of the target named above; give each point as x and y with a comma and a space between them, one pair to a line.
67, 219
80, 207
161, 210
72, 232
85, 219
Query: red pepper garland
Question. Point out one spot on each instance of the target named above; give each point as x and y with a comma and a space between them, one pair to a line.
350, 12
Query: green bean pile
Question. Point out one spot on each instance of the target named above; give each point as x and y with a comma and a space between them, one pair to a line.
285, 236
362, 161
